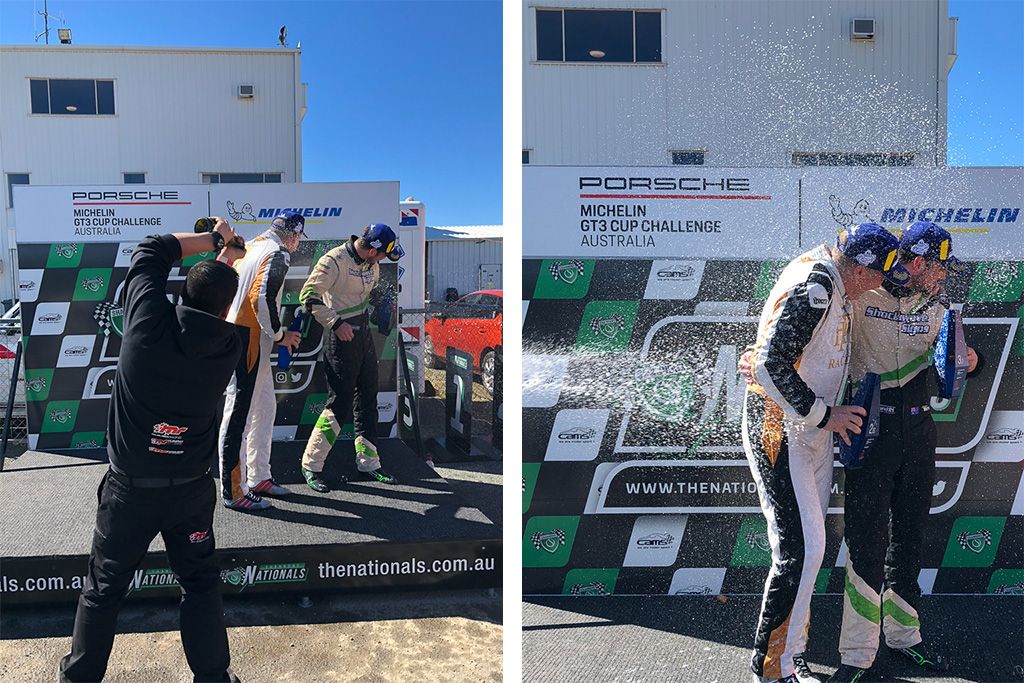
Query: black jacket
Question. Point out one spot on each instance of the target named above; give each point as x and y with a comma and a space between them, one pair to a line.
174, 365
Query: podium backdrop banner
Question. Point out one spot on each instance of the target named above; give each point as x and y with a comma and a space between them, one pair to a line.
634, 478
74, 249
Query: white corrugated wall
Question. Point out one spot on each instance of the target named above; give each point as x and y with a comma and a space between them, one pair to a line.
750, 82
177, 116
456, 263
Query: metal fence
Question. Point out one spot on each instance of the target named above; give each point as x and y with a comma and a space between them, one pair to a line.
12, 404
454, 354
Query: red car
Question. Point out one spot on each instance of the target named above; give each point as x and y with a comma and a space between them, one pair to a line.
471, 324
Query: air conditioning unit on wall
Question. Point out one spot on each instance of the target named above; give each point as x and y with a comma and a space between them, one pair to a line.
862, 29
246, 92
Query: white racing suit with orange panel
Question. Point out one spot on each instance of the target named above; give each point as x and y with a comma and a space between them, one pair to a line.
800, 362
246, 429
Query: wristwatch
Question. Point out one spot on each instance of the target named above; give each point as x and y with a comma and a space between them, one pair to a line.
218, 240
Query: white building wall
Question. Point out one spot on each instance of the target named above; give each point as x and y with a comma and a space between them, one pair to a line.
177, 116
456, 263
750, 82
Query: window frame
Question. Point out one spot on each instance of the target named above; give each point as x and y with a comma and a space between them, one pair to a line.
10, 186
125, 174
702, 152
892, 159
527, 153
206, 178
95, 93
661, 11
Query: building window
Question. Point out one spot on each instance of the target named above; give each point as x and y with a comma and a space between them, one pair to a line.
609, 36
687, 157
12, 180
134, 178
241, 178
71, 96
526, 156
853, 158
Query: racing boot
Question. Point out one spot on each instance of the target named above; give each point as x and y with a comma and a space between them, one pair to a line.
315, 481
803, 672
849, 674
923, 656
269, 487
368, 462
249, 502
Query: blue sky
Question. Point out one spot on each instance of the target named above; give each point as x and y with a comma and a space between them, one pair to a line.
412, 90
407, 91
986, 85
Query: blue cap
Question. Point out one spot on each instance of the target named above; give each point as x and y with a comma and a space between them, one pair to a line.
932, 241
874, 247
289, 221
382, 238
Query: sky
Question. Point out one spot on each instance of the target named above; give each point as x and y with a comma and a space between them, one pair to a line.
412, 90
986, 85
407, 91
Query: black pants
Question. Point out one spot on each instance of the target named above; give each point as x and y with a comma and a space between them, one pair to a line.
351, 369
886, 511
127, 520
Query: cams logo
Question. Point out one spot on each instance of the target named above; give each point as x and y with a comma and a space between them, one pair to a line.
50, 318
567, 272
76, 351
88, 443
693, 590
548, 541
145, 579
26, 286
1010, 588
857, 215
1005, 435
243, 214
62, 416
590, 588
109, 316
609, 326
255, 575
676, 273
975, 541
577, 435
655, 541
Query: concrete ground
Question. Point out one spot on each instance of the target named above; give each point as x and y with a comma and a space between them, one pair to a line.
449, 636
696, 638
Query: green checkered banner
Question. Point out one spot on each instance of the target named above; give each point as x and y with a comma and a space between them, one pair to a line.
74, 249
634, 478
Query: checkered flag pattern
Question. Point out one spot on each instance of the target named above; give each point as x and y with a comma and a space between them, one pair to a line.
102, 315
964, 537
538, 537
617, 321
568, 270
73, 326
633, 443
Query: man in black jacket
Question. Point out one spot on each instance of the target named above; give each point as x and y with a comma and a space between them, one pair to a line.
161, 439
